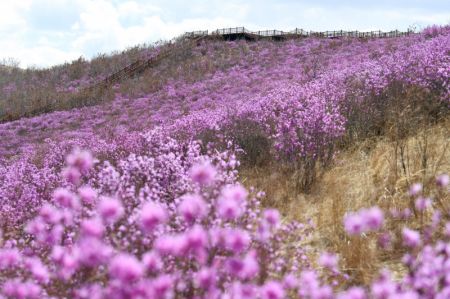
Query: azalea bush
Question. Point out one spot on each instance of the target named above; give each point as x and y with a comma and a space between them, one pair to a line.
198, 234
150, 232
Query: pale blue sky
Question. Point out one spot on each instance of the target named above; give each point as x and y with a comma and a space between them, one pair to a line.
47, 32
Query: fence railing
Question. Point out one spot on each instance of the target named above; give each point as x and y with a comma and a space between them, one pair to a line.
297, 32
142, 64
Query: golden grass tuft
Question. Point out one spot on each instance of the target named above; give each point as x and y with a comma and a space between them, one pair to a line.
373, 172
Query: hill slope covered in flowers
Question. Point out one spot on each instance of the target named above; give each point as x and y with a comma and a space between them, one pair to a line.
161, 212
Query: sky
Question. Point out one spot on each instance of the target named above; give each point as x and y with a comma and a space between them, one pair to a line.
42, 33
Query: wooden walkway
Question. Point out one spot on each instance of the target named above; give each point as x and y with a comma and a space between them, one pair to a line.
190, 39
243, 33
143, 64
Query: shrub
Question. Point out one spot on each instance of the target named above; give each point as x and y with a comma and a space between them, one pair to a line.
170, 234
212, 239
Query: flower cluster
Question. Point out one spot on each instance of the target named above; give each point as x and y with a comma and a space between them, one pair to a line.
211, 240
123, 237
364, 221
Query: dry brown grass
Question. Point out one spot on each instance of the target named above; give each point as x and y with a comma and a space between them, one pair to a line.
185, 65
372, 172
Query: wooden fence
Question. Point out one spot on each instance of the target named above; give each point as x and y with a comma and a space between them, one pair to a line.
296, 33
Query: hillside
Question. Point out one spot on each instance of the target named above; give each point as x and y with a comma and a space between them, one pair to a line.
322, 127
31, 91
205, 78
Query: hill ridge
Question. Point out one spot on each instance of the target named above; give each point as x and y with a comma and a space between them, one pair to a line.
233, 33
